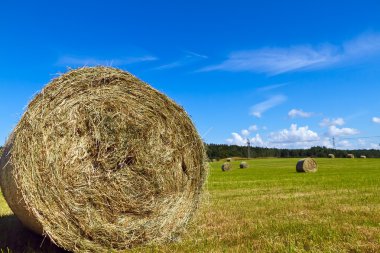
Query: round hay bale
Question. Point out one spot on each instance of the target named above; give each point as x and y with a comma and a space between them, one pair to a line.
101, 162
307, 165
229, 159
226, 166
350, 156
331, 156
363, 156
243, 165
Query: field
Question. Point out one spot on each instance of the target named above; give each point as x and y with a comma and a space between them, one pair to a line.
266, 208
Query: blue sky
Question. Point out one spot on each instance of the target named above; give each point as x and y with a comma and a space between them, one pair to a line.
280, 73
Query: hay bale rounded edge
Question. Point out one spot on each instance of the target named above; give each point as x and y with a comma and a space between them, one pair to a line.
243, 165
307, 165
101, 161
226, 166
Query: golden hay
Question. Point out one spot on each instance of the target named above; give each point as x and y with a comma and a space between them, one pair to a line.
307, 165
100, 161
363, 156
350, 156
226, 166
243, 165
331, 156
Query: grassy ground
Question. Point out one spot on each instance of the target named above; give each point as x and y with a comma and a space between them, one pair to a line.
268, 208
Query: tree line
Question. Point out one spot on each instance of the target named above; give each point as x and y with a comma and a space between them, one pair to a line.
219, 151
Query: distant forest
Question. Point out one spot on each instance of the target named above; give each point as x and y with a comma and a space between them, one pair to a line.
219, 151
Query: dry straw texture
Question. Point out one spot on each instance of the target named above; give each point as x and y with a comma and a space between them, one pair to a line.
331, 156
226, 166
307, 165
243, 165
363, 156
101, 161
350, 156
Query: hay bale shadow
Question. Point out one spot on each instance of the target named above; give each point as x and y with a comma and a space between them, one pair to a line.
15, 238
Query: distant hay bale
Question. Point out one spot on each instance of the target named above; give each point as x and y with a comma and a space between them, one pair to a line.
229, 159
101, 162
363, 156
243, 165
226, 166
214, 160
350, 156
331, 156
307, 165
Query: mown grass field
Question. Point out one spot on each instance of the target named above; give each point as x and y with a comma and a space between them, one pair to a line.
267, 208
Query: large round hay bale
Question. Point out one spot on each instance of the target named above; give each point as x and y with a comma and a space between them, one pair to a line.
243, 165
350, 156
363, 156
226, 166
101, 162
307, 165
229, 159
331, 156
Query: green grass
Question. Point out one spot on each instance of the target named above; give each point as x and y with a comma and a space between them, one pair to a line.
269, 208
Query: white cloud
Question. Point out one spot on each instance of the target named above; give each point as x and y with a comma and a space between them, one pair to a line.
332, 122
237, 139
335, 131
258, 109
253, 128
299, 113
293, 135
91, 61
245, 132
257, 141
376, 120
362, 142
344, 144
277, 60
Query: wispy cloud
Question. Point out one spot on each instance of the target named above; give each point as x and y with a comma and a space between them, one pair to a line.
196, 54
275, 60
91, 61
258, 109
294, 113
189, 58
271, 87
